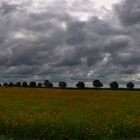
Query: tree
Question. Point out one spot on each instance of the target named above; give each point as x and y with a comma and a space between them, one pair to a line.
114, 85
39, 85
11, 84
50, 85
80, 85
32, 84
62, 84
0, 85
130, 85
97, 84
46, 83
18, 84
24, 84
5, 85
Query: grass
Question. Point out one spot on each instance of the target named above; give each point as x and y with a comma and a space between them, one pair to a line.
55, 114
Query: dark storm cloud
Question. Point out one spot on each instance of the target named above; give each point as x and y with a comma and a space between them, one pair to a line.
7, 7
129, 12
53, 41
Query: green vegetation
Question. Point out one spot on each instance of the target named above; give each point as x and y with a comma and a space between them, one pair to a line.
80, 85
96, 84
49, 114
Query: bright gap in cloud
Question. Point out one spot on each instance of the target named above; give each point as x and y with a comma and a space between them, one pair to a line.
105, 3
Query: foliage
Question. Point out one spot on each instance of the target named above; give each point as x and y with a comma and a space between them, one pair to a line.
97, 84
39, 85
18, 84
11, 84
32, 84
114, 85
46, 83
80, 85
50, 85
5, 85
130, 85
24, 84
62, 84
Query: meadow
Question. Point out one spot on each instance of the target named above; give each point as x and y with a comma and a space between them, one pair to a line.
56, 114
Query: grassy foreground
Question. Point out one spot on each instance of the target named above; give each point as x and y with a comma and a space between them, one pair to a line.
69, 114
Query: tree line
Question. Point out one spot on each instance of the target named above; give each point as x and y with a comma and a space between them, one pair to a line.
96, 84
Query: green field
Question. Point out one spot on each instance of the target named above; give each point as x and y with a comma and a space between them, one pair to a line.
55, 114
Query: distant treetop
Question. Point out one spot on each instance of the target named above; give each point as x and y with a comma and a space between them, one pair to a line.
130, 85
97, 84
114, 85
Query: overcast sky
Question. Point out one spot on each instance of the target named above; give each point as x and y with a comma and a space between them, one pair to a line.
70, 40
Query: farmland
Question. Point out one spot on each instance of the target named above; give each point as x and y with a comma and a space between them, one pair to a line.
56, 114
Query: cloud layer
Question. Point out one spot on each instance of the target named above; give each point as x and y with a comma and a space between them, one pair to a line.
68, 40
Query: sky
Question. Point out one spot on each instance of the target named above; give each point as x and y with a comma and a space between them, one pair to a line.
70, 40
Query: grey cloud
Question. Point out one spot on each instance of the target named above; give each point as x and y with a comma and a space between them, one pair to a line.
116, 44
127, 59
69, 57
129, 12
7, 7
54, 43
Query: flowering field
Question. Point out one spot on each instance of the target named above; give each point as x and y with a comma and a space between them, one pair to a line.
69, 114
